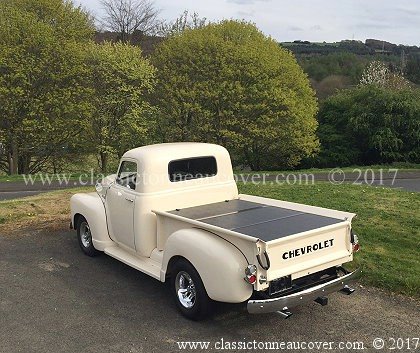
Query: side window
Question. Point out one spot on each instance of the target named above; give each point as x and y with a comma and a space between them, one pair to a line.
192, 168
127, 175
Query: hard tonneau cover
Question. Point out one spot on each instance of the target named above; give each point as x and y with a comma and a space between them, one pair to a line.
255, 219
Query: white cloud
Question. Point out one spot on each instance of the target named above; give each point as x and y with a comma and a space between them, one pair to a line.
245, 2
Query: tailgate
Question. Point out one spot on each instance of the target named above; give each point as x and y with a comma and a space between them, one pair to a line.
308, 252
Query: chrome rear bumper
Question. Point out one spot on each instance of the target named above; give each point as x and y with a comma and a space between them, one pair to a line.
306, 295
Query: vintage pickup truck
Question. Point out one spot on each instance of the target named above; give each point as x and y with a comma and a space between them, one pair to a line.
173, 212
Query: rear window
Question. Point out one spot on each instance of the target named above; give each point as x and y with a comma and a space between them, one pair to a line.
192, 168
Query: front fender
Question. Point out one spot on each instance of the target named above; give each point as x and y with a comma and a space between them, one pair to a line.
220, 264
90, 206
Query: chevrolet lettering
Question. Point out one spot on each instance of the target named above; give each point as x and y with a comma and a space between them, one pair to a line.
308, 249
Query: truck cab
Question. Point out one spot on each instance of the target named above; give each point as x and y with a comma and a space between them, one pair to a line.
173, 211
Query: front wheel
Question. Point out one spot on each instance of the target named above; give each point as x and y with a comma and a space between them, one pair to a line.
189, 292
84, 236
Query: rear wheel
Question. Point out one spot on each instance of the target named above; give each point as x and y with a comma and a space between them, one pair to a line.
84, 236
189, 292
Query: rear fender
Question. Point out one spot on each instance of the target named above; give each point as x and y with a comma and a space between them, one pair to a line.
220, 264
90, 206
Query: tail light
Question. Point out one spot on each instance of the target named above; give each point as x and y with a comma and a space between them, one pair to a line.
251, 274
355, 242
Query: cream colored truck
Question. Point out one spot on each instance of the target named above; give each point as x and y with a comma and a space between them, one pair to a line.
173, 212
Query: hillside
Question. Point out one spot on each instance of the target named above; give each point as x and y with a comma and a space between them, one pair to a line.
369, 47
333, 66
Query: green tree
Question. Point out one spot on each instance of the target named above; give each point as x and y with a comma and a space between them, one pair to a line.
227, 83
43, 95
413, 69
319, 67
368, 125
120, 78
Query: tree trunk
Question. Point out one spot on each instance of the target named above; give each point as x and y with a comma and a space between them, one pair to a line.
248, 159
10, 163
24, 163
104, 161
54, 166
257, 159
14, 159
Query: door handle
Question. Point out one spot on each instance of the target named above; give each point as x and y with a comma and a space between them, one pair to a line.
129, 200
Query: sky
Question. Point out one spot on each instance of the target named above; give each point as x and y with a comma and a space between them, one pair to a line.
396, 21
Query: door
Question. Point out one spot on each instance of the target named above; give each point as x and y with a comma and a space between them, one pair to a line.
120, 204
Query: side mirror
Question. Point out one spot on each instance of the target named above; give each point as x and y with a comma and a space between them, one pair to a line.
99, 188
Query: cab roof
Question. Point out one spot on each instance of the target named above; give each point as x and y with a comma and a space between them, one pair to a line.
153, 163
176, 150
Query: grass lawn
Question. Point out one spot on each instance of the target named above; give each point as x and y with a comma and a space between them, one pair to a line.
402, 167
388, 224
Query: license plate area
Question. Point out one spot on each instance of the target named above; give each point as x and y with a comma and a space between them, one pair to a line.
279, 285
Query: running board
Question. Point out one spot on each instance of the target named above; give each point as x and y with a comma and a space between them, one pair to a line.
143, 264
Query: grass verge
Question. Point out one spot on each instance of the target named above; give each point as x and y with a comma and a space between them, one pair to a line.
40, 177
387, 222
50, 211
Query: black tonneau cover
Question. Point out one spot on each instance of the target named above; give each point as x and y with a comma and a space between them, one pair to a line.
254, 219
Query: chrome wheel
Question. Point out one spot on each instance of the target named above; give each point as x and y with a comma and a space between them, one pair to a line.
185, 289
85, 235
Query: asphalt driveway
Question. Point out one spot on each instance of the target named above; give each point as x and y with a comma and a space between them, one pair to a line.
55, 299
10, 195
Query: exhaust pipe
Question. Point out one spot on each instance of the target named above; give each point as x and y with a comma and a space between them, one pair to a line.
285, 313
347, 290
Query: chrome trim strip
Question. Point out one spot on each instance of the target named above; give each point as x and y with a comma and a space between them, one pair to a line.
292, 300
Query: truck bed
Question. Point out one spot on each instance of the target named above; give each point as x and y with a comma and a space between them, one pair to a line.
255, 219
